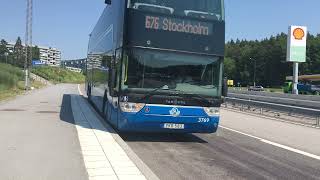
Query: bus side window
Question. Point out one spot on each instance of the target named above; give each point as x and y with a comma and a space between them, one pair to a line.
107, 63
114, 77
117, 60
124, 70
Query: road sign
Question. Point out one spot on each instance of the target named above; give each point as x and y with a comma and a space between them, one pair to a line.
296, 45
36, 63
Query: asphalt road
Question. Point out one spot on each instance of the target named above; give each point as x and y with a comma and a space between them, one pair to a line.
38, 139
230, 155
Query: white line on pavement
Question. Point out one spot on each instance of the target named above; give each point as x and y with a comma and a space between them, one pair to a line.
275, 144
79, 90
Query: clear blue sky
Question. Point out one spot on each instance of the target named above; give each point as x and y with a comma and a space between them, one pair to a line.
65, 24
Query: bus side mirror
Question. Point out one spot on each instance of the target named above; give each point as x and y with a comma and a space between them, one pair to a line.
225, 87
107, 2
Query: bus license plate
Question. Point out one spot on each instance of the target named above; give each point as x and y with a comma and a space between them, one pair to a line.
173, 126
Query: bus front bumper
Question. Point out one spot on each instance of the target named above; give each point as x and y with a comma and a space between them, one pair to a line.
156, 123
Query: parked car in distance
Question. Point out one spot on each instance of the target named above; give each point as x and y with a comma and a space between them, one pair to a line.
255, 88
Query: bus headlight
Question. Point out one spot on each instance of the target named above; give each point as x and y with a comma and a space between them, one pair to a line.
131, 107
212, 111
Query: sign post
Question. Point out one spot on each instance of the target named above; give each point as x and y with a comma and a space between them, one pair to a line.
295, 78
296, 51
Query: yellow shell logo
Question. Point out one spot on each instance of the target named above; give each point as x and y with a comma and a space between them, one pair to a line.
298, 33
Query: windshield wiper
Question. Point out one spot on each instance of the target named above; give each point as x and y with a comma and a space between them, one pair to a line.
151, 93
177, 93
189, 95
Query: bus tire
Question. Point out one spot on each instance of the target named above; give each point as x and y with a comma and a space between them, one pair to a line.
105, 99
89, 92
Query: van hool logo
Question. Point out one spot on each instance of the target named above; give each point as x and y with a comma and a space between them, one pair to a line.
298, 33
178, 25
174, 112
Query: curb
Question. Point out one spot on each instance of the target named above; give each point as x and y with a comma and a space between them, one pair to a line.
145, 170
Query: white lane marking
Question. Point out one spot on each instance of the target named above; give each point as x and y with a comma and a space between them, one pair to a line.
292, 149
79, 90
275, 144
255, 137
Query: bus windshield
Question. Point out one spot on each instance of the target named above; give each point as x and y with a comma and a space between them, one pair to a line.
146, 71
204, 9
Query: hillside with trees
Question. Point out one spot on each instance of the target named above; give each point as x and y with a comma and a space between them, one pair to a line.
270, 57
17, 56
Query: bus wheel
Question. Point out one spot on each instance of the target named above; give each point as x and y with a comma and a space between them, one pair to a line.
105, 99
89, 92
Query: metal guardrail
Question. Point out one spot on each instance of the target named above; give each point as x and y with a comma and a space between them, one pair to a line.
281, 95
281, 111
279, 100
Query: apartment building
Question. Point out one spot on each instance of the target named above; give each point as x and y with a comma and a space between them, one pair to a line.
48, 55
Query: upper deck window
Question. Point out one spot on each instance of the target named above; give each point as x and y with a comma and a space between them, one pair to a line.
204, 9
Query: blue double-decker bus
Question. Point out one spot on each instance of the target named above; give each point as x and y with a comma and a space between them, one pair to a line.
157, 65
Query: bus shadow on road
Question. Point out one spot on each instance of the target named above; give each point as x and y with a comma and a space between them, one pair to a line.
161, 137
66, 115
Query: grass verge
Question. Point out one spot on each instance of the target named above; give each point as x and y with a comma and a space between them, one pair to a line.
11, 82
59, 75
9, 76
6, 94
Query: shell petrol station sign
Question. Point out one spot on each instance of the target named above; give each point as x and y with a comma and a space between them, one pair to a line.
297, 42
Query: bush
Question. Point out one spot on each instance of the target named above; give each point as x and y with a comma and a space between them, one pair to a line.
9, 76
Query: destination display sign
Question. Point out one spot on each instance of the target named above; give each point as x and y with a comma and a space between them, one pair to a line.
178, 25
172, 32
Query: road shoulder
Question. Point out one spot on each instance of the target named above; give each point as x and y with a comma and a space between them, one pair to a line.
105, 154
299, 137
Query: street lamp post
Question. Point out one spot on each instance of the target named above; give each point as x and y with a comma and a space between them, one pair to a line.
6, 54
254, 73
28, 43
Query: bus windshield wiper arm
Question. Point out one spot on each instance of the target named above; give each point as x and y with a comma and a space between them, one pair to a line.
201, 97
191, 95
151, 93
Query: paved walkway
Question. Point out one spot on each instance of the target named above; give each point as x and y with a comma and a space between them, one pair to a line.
103, 156
54, 134
38, 139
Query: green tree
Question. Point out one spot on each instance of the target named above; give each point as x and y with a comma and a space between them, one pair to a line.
3, 46
36, 53
3, 50
270, 57
230, 68
19, 57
